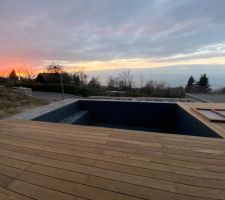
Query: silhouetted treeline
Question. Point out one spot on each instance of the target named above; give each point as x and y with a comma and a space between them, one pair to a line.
123, 84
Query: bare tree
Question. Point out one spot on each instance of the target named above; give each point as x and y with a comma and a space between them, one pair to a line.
57, 69
125, 80
112, 83
26, 73
141, 81
80, 78
54, 68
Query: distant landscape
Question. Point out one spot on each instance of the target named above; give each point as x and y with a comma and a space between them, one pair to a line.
172, 75
127, 83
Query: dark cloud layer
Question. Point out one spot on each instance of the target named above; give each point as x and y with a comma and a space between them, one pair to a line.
84, 30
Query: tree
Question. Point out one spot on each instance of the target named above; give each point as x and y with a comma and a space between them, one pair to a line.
13, 77
111, 83
125, 80
94, 83
190, 84
149, 87
54, 68
203, 84
141, 81
80, 78
27, 73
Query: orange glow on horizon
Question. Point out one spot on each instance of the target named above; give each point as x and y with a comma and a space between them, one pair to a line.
71, 67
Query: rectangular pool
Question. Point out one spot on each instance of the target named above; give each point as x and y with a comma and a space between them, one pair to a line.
147, 116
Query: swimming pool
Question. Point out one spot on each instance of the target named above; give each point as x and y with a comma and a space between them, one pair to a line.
145, 116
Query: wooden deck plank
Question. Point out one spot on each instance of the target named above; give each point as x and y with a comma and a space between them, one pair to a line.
5, 180
140, 171
154, 166
103, 132
37, 192
78, 168
6, 194
100, 149
152, 137
118, 158
138, 144
9, 171
93, 193
150, 151
106, 154
113, 157
108, 184
53, 161
72, 188
193, 151
148, 156
14, 163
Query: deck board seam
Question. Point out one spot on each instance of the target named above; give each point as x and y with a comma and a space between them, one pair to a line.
128, 164
117, 163
89, 175
162, 138
42, 187
118, 171
85, 184
113, 138
103, 157
136, 154
34, 142
18, 175
66, 192
125, 173
19, 193
111, 190
145, 149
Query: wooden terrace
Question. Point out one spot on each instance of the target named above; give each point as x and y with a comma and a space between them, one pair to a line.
48, 161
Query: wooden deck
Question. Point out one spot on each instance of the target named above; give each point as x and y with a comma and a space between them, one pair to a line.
63, 162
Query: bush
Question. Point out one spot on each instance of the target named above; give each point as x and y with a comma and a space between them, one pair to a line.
155, 89
85, 91
69, 89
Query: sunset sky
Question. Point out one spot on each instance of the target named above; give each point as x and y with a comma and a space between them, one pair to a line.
111, 34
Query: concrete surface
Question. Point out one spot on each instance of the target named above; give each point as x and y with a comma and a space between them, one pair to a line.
50, 96
208, 98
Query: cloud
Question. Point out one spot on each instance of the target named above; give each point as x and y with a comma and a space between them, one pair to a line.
101, 30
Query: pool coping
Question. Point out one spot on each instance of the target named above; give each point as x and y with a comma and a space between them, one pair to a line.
33, 113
